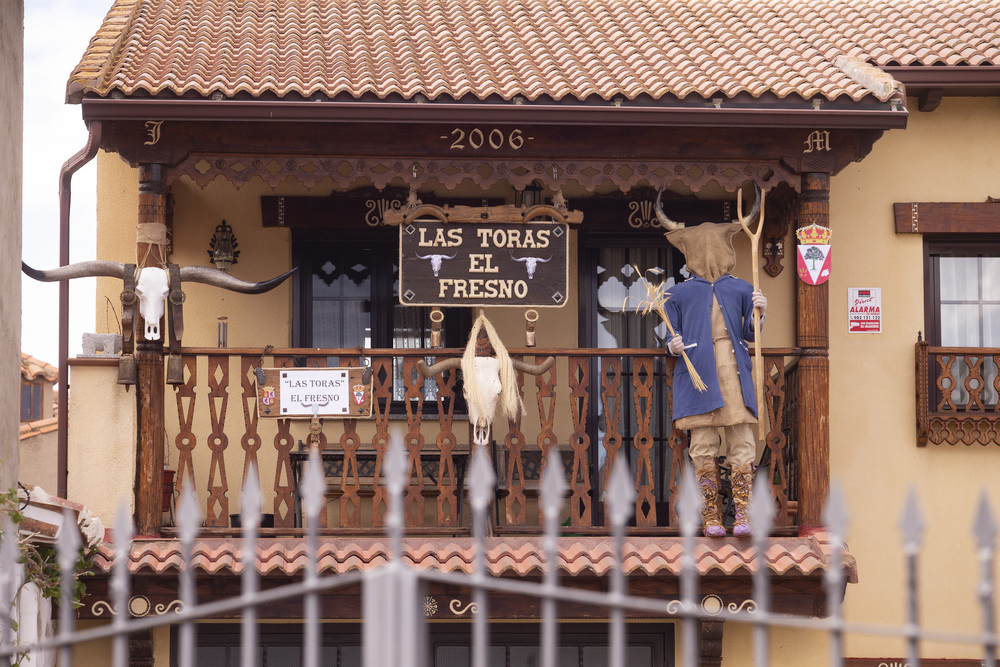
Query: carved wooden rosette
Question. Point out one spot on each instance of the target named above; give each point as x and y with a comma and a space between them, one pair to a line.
579, 384
645, 481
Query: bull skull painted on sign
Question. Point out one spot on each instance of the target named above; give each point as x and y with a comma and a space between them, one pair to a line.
436, 261
531, 263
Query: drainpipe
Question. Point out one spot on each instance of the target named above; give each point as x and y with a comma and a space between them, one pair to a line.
71, 166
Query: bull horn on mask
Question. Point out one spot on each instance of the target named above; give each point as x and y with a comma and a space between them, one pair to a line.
671, 226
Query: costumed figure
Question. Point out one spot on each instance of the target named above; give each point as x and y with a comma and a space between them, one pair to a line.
712, 317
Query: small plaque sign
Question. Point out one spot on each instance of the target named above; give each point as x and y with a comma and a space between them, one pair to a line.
321, 392
483, 264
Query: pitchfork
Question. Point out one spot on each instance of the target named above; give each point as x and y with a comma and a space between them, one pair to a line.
758, 360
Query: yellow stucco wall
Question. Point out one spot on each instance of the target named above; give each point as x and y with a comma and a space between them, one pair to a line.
947, 155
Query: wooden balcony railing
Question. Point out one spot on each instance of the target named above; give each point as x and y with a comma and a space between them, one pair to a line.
590, 405
957, 395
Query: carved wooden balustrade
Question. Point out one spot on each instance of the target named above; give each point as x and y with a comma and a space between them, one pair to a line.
590, 405
957, 395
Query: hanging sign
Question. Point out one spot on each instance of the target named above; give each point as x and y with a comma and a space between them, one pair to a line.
864, 310
483, 264
320, 392
814, 254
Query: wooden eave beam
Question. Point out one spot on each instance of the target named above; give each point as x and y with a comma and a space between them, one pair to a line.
230, 111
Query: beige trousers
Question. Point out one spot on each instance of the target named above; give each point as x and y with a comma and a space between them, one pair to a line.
740, 443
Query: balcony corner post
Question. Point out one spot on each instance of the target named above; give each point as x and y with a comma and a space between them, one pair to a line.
813, 336
151, 251
922, 392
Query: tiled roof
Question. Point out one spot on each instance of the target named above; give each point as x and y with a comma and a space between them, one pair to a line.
538, 49
32, 368
38, 427
517, 556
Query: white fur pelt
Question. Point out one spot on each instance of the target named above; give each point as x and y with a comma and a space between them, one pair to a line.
482, 405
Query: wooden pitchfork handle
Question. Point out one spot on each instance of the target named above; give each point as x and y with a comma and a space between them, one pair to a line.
758, 360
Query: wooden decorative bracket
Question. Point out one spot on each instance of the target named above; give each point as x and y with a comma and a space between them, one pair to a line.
416, 210
775, 236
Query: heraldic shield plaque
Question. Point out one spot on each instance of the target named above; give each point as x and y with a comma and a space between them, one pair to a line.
320, 392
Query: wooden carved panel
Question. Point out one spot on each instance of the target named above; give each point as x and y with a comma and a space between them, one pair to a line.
516, 505
547, 437
381, 404
217, 509
186, 439
417, 171
645, 480
579, 384
284, 499
447, 507
413, 383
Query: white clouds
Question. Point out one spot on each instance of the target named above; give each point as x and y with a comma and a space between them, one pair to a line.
56, 35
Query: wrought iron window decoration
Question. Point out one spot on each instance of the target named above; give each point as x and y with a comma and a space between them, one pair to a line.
222, 247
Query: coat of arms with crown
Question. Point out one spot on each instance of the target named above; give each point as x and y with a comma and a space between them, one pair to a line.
814, 253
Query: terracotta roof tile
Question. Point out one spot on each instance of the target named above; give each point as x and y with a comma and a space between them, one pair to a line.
559, 49
32, 368
517, 556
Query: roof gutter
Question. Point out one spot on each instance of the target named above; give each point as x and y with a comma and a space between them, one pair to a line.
105, 109
85, 155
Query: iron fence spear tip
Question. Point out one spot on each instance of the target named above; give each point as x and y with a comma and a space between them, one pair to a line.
984, 525
911, 522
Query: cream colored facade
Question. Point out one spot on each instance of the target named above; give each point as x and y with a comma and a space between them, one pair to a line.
946, 155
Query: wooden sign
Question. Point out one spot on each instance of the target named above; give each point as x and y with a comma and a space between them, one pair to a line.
483, 264
320, 392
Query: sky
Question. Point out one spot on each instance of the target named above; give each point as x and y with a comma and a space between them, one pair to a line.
56, 33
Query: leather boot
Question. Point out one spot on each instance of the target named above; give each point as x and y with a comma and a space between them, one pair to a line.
742, 479
708, 485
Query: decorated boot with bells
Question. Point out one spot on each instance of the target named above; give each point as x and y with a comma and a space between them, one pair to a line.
708, 486
742, 479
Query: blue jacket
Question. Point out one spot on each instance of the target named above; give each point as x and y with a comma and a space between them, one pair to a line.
690, 311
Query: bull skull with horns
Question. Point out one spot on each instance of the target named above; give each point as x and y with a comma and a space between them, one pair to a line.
150, 286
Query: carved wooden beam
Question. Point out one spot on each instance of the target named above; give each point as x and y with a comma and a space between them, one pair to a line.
947, 217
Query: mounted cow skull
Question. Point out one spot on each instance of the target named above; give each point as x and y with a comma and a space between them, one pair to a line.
152, 287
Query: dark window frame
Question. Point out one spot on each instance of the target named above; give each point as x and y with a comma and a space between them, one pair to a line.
935, 247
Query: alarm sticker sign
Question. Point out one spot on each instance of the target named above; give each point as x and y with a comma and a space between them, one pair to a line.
864, 310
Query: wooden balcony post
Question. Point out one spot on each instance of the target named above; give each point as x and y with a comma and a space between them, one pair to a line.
813, 305
150, 251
